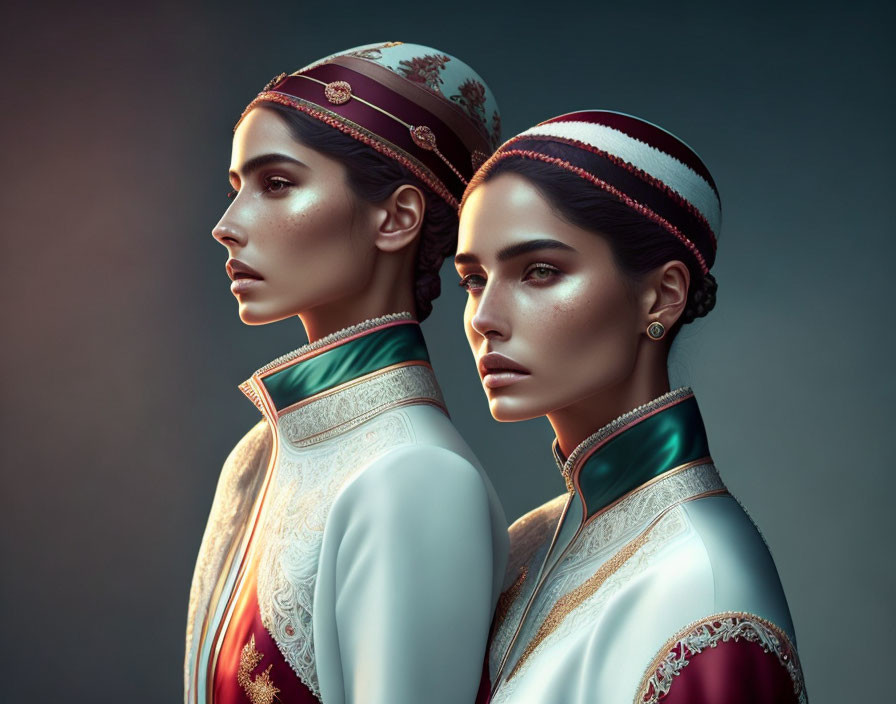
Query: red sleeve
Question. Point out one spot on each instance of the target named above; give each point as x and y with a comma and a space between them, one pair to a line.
726, 659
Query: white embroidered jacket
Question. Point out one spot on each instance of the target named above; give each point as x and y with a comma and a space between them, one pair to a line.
647, 580
378, 542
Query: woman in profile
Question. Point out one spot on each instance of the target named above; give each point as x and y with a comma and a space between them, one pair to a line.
355, 548
585, 244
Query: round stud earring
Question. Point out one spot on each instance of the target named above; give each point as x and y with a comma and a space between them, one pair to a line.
656, 330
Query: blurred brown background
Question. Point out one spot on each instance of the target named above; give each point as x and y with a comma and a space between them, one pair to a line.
122, 348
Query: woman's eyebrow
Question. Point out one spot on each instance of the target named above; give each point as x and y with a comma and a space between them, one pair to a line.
258, 162
516, 250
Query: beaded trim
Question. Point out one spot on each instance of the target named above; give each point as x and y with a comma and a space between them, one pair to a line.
612, 427
708, 632
632, 169
343, 334
363, 135
612, 190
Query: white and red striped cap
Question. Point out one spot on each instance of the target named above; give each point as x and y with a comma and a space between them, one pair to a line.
646, 167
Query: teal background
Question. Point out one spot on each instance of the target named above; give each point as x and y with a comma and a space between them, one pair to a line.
122, 349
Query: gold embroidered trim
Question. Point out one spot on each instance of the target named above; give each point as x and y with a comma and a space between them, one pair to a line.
708, 632
505, 601
259, 690
335, 413
569, 602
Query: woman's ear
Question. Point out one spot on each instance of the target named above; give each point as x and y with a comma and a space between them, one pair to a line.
667, 294
401, 220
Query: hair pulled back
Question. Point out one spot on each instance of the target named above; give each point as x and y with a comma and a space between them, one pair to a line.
374, 177
638, 244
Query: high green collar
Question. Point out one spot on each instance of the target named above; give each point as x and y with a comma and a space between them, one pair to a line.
642, 444
337, 360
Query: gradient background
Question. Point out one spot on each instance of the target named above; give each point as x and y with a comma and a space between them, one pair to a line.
122, 348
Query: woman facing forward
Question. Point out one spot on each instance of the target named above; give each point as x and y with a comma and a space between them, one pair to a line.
355, 549
585, 243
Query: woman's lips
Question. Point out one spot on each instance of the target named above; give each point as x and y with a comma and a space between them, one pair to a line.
244, 276
497, 370
243, 285
496, 379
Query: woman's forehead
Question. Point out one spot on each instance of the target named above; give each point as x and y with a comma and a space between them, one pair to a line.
506, 211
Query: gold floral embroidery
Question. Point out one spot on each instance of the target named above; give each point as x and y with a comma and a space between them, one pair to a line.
260, 690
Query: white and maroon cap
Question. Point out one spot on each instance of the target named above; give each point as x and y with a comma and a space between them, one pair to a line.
644, 166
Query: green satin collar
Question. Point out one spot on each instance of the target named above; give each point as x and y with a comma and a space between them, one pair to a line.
653, 439
342, 362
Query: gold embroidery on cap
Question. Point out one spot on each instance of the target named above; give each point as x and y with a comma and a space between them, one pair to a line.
478, 158
260, 690
424, 137
274, 81
338, 92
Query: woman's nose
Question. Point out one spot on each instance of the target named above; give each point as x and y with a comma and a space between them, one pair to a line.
228, 233
491, 317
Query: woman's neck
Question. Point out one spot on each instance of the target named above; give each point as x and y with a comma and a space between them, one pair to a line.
380, 297
578, 421
319, 324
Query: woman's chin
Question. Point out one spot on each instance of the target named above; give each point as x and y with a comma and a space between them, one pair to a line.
511, 410
256, 315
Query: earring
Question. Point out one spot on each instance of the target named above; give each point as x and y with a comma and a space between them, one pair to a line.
656, 330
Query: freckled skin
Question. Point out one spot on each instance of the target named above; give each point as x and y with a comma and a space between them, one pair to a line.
576, 331
570, 317
299, 226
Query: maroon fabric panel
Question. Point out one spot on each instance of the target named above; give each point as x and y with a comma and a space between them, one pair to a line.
733, 672
691, 226
644, 132
246, 621
485, 685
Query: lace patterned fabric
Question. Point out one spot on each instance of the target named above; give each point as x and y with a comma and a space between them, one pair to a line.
304, 486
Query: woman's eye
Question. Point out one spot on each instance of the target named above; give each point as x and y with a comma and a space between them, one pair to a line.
472, 282
275, 185
541, 273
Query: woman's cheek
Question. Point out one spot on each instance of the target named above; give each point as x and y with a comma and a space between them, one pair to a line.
561, 309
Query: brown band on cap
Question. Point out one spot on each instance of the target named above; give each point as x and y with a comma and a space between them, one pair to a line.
451, 114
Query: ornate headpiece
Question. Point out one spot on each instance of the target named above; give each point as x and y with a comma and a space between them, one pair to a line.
644, 166
427, 110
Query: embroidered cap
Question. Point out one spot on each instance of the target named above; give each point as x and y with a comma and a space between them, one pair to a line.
641, 164
424, 108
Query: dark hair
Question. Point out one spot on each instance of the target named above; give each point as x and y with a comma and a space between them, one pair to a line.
639, 245
373, 177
